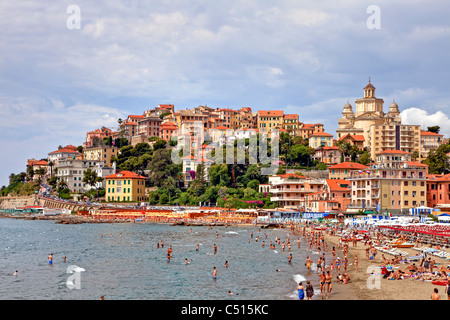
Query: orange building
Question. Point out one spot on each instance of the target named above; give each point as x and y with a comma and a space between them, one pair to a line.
438, 189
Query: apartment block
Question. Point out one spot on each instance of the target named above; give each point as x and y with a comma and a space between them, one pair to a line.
71, 171
429, 141
394, 136
388, 189
101, 153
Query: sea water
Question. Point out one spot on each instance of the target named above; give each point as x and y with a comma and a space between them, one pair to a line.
123, 261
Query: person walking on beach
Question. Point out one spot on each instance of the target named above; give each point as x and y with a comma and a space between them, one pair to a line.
328, 280
356, 263
301, 291
309, 290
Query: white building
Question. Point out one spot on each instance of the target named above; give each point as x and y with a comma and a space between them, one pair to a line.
72, 172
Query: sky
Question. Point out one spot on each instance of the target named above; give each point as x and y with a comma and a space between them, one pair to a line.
68, 67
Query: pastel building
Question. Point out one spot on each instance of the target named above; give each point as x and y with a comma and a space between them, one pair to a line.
125, 186
320, 139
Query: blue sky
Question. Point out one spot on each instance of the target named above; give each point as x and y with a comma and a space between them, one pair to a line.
305, 57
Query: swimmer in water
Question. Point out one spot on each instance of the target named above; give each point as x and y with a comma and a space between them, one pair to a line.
15, 273
214, 273
226, 264
50, 258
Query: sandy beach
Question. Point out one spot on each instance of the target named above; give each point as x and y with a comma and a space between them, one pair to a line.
357, 289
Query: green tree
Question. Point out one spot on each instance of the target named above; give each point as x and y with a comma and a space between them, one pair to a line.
434, 129
300, 154
91, 178
438, 161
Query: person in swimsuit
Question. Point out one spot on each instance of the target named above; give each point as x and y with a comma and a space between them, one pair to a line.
344, 263
301, 291
338, 264
214, 273
322, 282
328, 278
308, 263
50, 258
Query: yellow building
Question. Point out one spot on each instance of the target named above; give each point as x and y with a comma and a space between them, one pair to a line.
269, 120
320, 139
125, 186
101, 154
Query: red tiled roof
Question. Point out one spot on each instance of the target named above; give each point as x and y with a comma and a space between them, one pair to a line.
417, 164
65, 150
136, 116
125, 174
290, 116
356, 137
438, 177
274, 113
221, 128
393, 151
336, 184
348, 165
323, 134
427, 133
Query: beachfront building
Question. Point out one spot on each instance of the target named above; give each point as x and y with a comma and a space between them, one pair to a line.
71, 172
291, 190
342, 170
429, 141
335, 197
320, 139
125, 186
388, 189
101, 153
438, 189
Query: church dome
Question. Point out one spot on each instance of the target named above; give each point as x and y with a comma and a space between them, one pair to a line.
393, 107
348, 107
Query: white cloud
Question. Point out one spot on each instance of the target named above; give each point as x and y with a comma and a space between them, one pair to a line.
425, 119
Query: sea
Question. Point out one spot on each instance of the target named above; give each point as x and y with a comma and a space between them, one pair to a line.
122, 261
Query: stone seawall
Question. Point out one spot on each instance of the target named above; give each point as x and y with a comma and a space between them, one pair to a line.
15, 202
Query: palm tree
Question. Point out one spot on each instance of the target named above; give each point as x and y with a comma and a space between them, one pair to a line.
51, 164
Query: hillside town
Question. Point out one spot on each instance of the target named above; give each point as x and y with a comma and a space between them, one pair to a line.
373, 163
